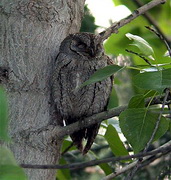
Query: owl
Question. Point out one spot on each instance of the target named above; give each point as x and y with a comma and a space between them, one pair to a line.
80, 56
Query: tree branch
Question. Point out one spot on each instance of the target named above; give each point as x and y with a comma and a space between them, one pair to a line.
96, 118
146, 161
48, 133
114, 28
162, 149
158, 120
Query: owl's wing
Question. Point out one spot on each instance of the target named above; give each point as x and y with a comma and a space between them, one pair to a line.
61, 62
56, 85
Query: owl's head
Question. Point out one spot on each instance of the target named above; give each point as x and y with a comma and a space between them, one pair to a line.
84, 44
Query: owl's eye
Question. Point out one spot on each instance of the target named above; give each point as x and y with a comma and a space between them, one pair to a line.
82, 46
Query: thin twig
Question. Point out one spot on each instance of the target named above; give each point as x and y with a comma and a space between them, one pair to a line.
139, 55
162, 37
162, 149
169, 116
158, 121
114, 28
121, 171
146, 161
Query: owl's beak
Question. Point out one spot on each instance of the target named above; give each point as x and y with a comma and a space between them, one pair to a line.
92, 52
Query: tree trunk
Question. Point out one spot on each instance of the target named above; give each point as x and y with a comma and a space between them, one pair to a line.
30, 35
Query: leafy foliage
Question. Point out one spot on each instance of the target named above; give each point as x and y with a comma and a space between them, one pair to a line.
117, 43
102, 74
63, 174
158, 80
116, 146
8, 166
88, 22
143, 45
137, 122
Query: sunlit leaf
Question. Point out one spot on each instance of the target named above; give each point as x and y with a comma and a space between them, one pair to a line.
130, 5
167, 54
138, 125
102, 74
142, 44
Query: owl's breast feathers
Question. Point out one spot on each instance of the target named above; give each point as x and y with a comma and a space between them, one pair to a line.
70, 99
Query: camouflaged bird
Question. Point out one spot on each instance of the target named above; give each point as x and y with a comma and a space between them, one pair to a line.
80, 56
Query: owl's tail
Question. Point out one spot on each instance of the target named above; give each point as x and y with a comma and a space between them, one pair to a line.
89, 133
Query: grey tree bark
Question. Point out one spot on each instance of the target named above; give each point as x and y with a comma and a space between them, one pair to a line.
30, 35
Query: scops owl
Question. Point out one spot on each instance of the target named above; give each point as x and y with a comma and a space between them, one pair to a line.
80, 55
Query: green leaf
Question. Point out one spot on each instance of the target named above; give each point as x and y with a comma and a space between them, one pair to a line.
117, 43
113, 100
6, 156
158, 80
114, 141
138, 125
102, 74
170, 127
66, 144
142, 44
130, 5
137, 101
88, 21
106, 168
3, 116
9, 170
63, 174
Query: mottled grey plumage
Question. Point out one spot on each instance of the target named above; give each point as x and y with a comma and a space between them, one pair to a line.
79, 57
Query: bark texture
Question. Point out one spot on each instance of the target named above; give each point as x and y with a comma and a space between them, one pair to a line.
30, 35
